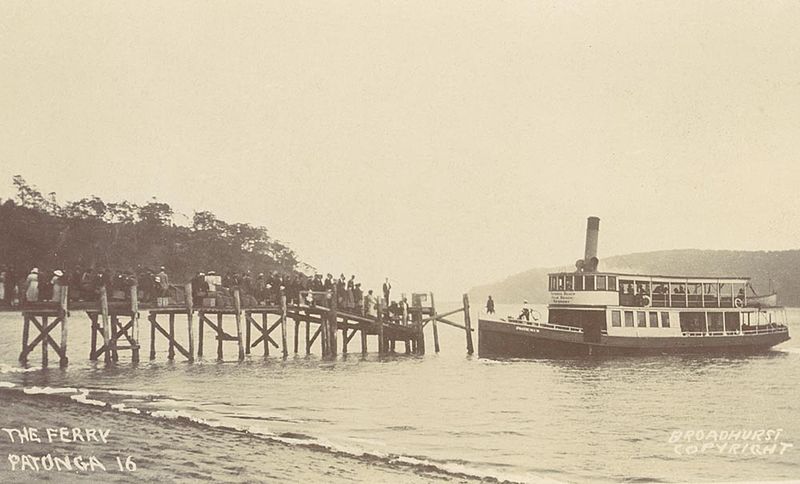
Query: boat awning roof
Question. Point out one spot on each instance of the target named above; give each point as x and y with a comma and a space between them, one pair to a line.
661, 278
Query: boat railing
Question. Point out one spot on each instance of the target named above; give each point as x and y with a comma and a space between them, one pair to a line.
559, 327
757, 330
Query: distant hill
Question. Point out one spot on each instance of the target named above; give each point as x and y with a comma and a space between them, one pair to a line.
762, 266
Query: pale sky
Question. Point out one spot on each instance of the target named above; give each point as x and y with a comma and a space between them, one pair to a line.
443, 144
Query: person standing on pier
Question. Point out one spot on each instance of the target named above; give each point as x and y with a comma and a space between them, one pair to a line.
358, 299
58, 282
387, 287
490, 306
32, 286
370, 305
163, 282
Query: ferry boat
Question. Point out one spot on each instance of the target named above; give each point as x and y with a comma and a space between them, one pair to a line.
595, 313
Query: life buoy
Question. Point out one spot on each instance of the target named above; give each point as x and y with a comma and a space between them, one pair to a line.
738, 302
535, 315
646, 300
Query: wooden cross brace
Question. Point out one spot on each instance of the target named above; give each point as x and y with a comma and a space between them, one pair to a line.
43, 337
260, 339
170, 337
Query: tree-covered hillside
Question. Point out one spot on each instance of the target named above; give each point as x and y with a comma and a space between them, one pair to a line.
37, 230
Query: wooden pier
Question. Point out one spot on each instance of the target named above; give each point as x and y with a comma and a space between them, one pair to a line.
115, 326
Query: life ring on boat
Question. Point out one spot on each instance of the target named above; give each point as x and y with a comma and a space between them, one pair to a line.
535, 315
738, 302
646, 300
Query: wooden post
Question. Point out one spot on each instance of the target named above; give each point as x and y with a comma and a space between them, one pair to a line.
325, 327
381, 342
45, 342
64, 317
308, 337
264, 333
135, 318
363, 339
283, 326
106, 322
435, 328
344, 339
171, 336
26, 328
332, 322
247, 333
237, 306
152, 319
114, 336
189, 318
200, 328
220, 336
296, 336
468, 326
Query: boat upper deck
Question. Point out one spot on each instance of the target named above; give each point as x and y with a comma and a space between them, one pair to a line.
638, 290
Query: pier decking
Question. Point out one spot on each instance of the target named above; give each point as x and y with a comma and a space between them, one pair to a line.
115, 327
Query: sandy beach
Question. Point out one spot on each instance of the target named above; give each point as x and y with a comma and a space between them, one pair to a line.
164, 450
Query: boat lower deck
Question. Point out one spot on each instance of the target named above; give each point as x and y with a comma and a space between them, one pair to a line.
508, 339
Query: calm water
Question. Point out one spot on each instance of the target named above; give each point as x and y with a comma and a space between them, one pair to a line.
565, 420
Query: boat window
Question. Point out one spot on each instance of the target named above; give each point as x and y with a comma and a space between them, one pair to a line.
578, 283
732, 322
693, 322
615, 319
628, 319
695, 290
588, 283
601, 283
641, 319
726, 295
714, 322
678, 296
642, 287
553, 283
739, 291
653, 319
626, 297
568, 283
711, 294
660, 295
612, 283
560, 283
665, 320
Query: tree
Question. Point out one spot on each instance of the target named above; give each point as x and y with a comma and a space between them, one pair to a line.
29, 196
157, 213
87, 208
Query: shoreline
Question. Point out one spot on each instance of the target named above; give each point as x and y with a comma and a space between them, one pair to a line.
165, 449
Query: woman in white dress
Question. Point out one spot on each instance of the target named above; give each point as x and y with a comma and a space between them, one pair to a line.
32, 284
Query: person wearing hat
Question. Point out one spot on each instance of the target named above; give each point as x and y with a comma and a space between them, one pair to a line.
163, 282
58, 284
526, 311
32, 286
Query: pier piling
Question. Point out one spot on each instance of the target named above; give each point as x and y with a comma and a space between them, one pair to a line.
468, 326
237, 306
189, 318
435, 327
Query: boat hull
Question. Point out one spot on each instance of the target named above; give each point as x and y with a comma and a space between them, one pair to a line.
499, 339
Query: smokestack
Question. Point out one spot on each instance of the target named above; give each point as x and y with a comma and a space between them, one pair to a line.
590, 260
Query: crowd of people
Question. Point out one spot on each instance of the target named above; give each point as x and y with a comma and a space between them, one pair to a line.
208, 288
41, 285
